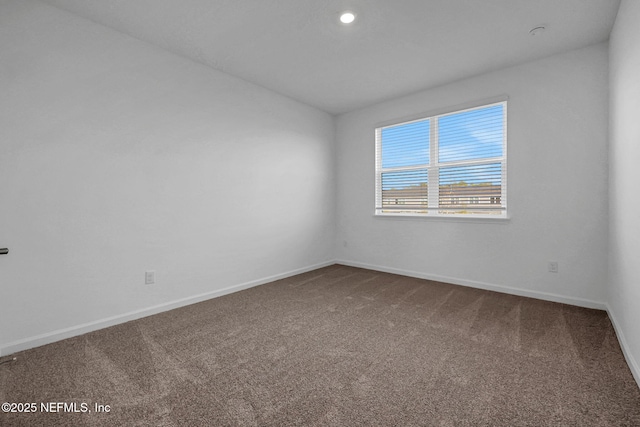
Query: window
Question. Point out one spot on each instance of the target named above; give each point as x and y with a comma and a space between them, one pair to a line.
452, 164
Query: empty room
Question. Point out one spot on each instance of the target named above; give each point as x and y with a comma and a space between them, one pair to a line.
319, 213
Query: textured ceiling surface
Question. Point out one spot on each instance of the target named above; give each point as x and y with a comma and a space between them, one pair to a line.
298, 47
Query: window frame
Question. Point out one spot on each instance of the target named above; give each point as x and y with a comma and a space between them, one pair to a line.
433, 209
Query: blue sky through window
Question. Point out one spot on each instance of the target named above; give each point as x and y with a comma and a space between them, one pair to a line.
469, 135
474, 134
406, 144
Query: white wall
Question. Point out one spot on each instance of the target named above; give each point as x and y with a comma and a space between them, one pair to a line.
557, 187
117, 157
624, 207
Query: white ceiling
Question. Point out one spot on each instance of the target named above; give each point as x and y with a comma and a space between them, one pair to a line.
299, 49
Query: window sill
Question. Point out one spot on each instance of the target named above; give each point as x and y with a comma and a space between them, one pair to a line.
473, 219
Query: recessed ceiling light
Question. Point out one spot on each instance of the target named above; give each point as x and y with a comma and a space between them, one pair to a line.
537, 30
347, 17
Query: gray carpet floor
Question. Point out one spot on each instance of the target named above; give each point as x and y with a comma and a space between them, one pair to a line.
338, 346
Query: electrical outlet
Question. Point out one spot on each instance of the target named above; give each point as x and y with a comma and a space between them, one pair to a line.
553, 266
149, 277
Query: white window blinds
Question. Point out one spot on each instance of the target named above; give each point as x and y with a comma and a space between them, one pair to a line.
451, 164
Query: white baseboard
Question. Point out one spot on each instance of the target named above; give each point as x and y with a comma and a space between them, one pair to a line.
481, 285
633, 364
61, 334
